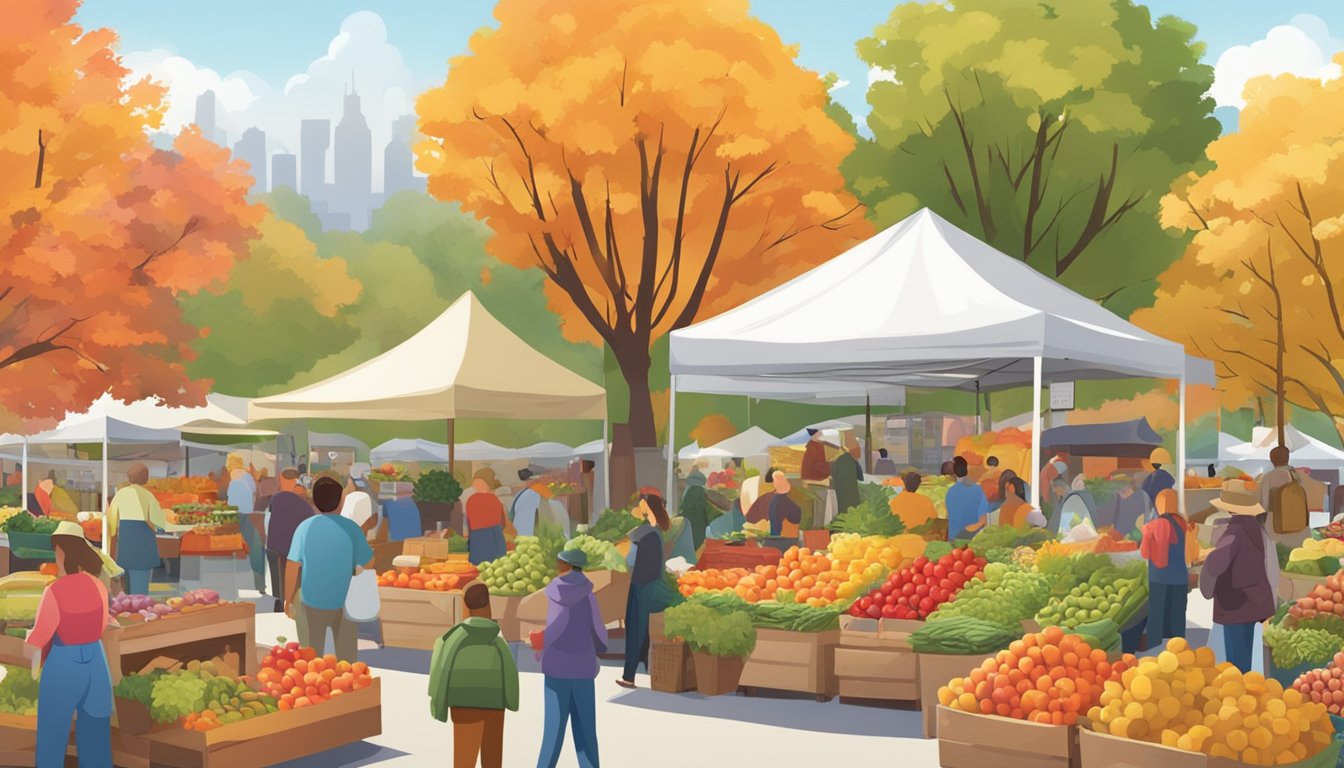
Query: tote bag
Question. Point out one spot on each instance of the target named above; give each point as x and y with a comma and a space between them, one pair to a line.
361, 602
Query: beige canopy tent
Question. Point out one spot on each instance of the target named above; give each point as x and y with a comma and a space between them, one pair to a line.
465, 364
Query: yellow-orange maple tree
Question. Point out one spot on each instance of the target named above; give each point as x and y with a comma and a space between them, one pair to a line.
99, 231
1259, 288
714, 428
660, 161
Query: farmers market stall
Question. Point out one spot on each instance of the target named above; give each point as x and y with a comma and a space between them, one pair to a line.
963, 316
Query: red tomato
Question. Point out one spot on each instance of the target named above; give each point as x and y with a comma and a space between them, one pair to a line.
959, 566
922, 590
874, 611
926, 604
971, 570
887, 588
908, 590
864, 603
921, 561
889, 612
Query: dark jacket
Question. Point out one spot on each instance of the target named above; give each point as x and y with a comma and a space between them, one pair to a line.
1242, 592
574, 634
815, 465
646, 554
288, 510
846, 474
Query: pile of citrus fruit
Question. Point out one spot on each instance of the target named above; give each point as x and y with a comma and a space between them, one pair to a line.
1183, 699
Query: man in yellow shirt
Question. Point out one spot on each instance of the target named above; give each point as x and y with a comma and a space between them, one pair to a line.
913, 509
133, 517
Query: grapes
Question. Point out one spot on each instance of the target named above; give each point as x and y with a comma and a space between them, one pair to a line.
18, 692
523, 571
175, 695
1005, 597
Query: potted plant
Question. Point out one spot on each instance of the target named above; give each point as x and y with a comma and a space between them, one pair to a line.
436, 492
719, 644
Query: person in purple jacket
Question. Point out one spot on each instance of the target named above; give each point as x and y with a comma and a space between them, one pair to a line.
570, 644
1236, 574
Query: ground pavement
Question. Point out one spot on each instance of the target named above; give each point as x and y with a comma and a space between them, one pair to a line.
641, 728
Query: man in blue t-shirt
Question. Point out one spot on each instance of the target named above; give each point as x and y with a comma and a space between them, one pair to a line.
327, 551
967, 506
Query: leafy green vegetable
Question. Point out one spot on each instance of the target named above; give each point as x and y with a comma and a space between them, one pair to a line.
602, 555
138, 687
437, 486
24, 522
1283, 551
1293, 647
872, 516
963, 635
795, 617
936, 549
613, 525
1325, 622
707, 630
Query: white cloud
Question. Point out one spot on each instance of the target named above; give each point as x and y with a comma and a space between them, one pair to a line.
1302, 48
359, 51
878, 74
838, 85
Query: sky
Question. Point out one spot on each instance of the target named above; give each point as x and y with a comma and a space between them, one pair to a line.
273, 63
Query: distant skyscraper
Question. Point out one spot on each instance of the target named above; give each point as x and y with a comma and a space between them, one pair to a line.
205, 116
314, 140
251, 149
398, 168
284, 171
353, 184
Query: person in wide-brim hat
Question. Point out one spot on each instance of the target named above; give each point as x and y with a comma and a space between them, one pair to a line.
1236, 499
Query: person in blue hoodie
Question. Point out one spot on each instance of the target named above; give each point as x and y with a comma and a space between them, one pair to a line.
569, 646
967, 506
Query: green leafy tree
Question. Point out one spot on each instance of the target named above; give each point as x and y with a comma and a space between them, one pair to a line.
1049, 130
280, 313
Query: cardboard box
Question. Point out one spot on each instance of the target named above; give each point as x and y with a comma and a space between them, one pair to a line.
414, 618
874, 660
431, 547
980, 741
935, 670
803, 662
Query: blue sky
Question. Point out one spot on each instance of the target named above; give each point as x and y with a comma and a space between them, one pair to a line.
248, 50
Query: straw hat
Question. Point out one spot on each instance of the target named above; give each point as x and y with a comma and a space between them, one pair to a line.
1159, 456
67, 528
1237, 499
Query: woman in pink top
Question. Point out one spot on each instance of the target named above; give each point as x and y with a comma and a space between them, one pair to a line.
75, 680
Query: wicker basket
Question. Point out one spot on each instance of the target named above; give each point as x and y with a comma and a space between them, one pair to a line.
671, 669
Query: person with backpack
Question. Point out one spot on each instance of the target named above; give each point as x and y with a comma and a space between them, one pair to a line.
1165, 548
1241, 572
569, 646
473, 679
1283, 496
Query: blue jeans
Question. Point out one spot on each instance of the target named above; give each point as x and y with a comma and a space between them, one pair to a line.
76, 684
637, 611
1166, 612
566, 700
137, 582
1239, 639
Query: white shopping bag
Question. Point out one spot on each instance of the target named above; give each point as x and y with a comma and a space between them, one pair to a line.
361, 602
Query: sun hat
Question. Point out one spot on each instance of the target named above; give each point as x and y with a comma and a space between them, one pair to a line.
574, 557
488, 475
67, 528
1159, 456
1237, 499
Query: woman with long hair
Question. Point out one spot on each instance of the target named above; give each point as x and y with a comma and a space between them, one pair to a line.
646, 573
75, 682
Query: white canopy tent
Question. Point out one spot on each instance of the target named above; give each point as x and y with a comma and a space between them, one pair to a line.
409, 449
696, 451
1305, 450
753, 441
924, 304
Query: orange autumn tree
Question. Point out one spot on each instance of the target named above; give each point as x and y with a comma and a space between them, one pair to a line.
659, 161
1259, 290
713, 429
99, 231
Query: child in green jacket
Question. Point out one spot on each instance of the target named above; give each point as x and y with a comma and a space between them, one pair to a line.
473, 677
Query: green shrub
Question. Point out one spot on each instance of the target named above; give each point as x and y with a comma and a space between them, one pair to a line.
709, 631
437, 486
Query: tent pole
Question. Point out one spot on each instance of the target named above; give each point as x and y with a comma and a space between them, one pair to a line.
979, 429
1035, 432
867, 434
102, 496
186, 461
606, 465
671, 497
1180, 449
452, 447
23, 478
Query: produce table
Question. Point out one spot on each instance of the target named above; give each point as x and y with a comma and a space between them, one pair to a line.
274, 738
415, 618
717, 554
874, 661
980, 741
803, 662
198, 635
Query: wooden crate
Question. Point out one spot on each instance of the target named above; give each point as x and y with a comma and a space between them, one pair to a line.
18, 739
415, 618
873, 664
803, 662
1293, 586
1102, 750
504, 610
14, 651
188, 636
274, 738
935, 670
978, 741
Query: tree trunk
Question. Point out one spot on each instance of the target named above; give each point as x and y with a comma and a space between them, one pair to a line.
634, 362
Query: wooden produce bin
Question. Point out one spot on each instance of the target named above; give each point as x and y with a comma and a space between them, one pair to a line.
979, 741
18, 739
1293, 586
504, 610
274, 738
415, 618
935, 670
875, 666
196, 636
15, 651
803, 662
1101, 750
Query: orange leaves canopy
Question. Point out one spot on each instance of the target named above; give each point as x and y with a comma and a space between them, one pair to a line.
99, 231
658, 160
